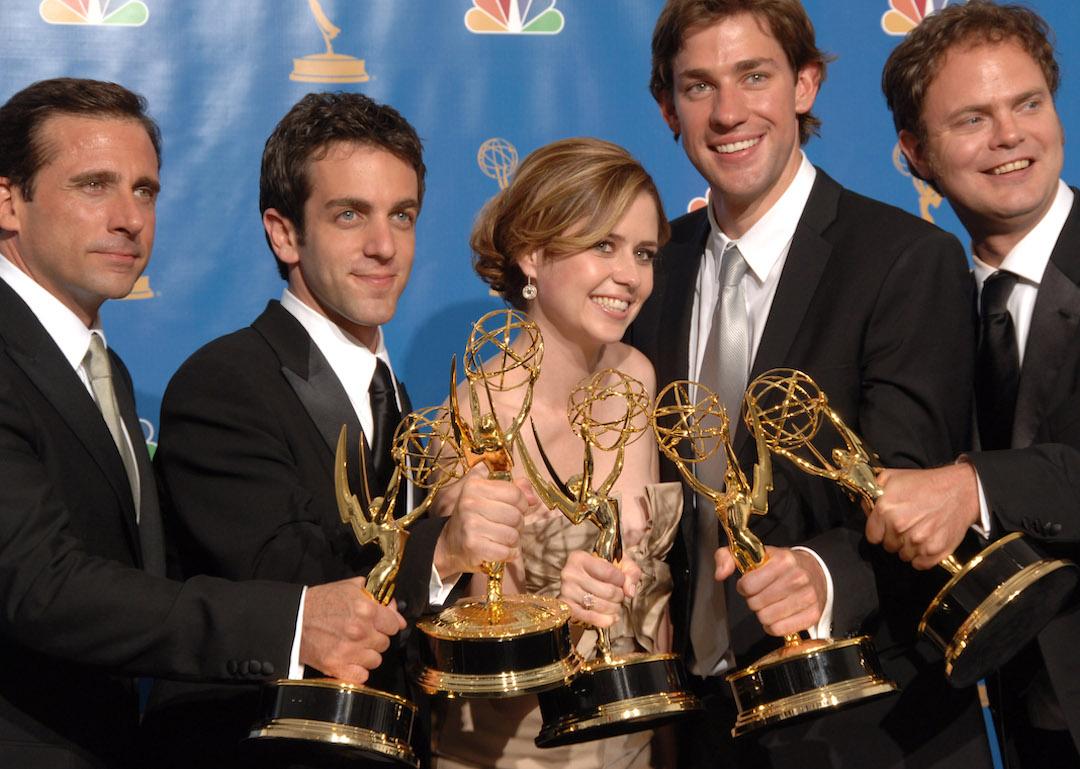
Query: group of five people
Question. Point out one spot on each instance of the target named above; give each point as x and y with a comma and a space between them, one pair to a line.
241, 570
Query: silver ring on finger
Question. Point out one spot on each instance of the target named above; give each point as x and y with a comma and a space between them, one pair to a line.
587, 601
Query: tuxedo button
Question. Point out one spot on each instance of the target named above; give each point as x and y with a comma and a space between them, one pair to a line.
244, 667
231, 667
267, 668
1052, 529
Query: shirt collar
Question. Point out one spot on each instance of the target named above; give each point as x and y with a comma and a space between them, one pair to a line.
66, 329
1029, 257
767, 240
334, 342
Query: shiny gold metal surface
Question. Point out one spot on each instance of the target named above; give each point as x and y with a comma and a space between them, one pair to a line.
526, 636
691, 426
608, 411
792, 410
338, 734
510, 683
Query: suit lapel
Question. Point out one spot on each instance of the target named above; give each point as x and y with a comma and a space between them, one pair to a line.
1054, 324
309, 375
805, 264
35, 352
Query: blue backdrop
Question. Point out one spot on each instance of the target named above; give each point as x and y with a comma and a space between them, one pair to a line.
220, 73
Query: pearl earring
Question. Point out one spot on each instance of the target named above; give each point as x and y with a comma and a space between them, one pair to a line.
528, 291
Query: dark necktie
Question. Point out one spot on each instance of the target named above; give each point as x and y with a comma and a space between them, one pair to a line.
997, 365
385, 418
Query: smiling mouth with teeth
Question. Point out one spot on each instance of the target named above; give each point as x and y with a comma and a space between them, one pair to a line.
1016, 165
736, 146
618, 305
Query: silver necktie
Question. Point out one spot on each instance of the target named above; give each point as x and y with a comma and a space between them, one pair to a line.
724, 369
99, 369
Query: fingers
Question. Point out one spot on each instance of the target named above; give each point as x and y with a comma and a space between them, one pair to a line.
344, 630
725, 564
786, 593
485, 525
593, 589
631, 576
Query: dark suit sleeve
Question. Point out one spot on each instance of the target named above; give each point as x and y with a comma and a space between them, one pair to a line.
913, 401
64, 596
251, 484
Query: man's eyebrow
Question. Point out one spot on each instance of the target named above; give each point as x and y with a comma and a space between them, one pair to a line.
105, 177
749, 64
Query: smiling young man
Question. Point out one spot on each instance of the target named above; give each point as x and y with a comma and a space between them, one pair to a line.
250, 422
972, 94
86, 607
786, 268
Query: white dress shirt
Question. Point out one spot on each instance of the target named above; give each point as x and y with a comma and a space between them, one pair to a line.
765, 248
354, 365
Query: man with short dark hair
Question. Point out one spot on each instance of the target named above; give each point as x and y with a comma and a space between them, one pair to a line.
249, 423
786, 268
85, 607
972, 92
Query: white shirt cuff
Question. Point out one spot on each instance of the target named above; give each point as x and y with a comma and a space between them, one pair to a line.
296, 670
823, 629
983, 526
437, 591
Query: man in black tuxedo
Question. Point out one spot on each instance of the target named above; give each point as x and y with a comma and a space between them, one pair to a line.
250, 422
85, 604
786, 268
972, 92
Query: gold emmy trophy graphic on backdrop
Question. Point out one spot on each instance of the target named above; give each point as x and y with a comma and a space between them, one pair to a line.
994, 597
928, 196
612, 693
804, 676
498, 159
328, 67
302, 716
501, 645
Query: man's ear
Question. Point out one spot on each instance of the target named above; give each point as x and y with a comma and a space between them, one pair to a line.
915, 152
671, 117
283, 235
807, 84
10, 200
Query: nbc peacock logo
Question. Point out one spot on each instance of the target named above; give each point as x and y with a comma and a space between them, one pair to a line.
904, 15
97, 13
514, 17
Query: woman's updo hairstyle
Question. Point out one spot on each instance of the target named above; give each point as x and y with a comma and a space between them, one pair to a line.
564, 198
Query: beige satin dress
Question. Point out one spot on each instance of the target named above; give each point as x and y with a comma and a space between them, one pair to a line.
498, 734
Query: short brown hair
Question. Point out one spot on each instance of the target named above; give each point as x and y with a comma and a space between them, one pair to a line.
307, 132
22, 151
786, 21
910, 68
555, 189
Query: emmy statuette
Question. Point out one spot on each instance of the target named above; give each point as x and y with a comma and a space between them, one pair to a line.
501, 645
804, 676
994, 598
300, 718
613, 693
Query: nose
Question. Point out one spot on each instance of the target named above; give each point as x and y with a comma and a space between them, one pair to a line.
728, 108
379, 240
625, 269
129, 214
1008, 131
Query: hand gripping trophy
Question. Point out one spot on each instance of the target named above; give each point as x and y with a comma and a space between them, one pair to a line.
612, 693
503, 645
301, 717
805, 675
994, 597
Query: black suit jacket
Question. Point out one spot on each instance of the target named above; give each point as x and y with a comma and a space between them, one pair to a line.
80, 616
1035, 486
877, 306
249, 425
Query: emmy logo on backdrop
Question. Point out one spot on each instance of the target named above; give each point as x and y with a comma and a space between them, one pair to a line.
498, 159
328, 67
928, 196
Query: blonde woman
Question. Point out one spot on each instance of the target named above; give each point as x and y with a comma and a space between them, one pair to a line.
571, 242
